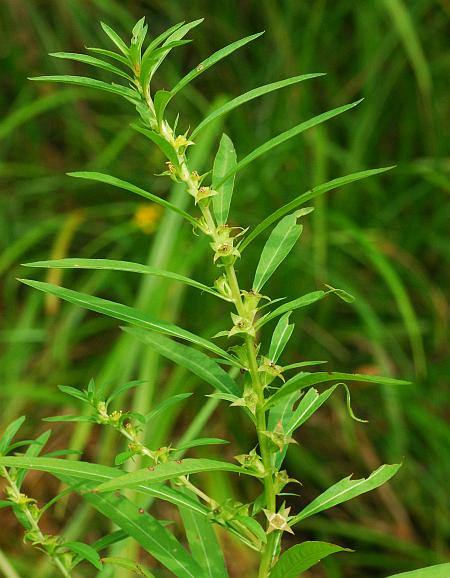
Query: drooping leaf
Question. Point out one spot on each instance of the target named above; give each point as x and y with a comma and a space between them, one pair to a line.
278, 246
224, 162
438, 571
91, 60
9, 433
128, 93
308, 196
347, 489
114, 181
280, 337
302, 380
203, 544
288, 134
301, 557
113, 265
126, 314
85, 552
250, 95
98, 473
169, 471
190, 358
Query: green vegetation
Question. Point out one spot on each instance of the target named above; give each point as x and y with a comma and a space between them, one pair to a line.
395, 326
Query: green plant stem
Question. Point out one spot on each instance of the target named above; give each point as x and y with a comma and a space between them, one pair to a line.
62, 567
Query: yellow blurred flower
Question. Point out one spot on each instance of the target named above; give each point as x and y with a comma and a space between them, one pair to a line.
147, 217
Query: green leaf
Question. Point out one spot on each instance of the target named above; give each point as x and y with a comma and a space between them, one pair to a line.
85, 552
112, 265
127, 314
347, 489
224, 162
160, 142
305, 197
280, 337
123, 91
301, 557
166, 403
115, 38
196, 361
341, 294
71, 418
147, 531
169, 471
154, 60
203, 544
9, 434
288, 134
110, 54
438, 571
195, 443
302, 380
97, 473
308, 405
210, 61
110, 180
32, 451
74, 392
160, 101
250, 95
123, 388
302, 301
135, 567
91, 60
278, 246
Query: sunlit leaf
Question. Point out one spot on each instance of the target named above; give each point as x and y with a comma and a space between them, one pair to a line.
301, 557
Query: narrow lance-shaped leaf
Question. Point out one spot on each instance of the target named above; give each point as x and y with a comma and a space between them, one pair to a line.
308, 196
347, 489
9, 434
303, 380
225, 161
250, 95
166, 148
109, 54
278, 246
85, 552
92, 61
169, 471
438, 571
115, 182
288, 134
112, 265
115, 38
190, 358
302, 301
208, 62
128, 93
135, 567
280, 337
127, 314
301, 557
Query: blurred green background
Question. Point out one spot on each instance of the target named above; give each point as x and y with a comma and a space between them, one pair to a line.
385, 240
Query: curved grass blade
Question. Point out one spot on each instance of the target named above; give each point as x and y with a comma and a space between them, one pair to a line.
250, 95
91, 60
347, 489
302, 380
123, 91
112, 265
277, 248
302, 301
190, 358
127, 314
169, 471
115, 182
305, 197
301, 557
288, 134
224, 161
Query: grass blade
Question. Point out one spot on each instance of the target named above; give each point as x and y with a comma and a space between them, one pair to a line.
305, 197
250, 95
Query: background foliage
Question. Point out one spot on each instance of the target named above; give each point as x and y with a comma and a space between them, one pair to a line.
384, 240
